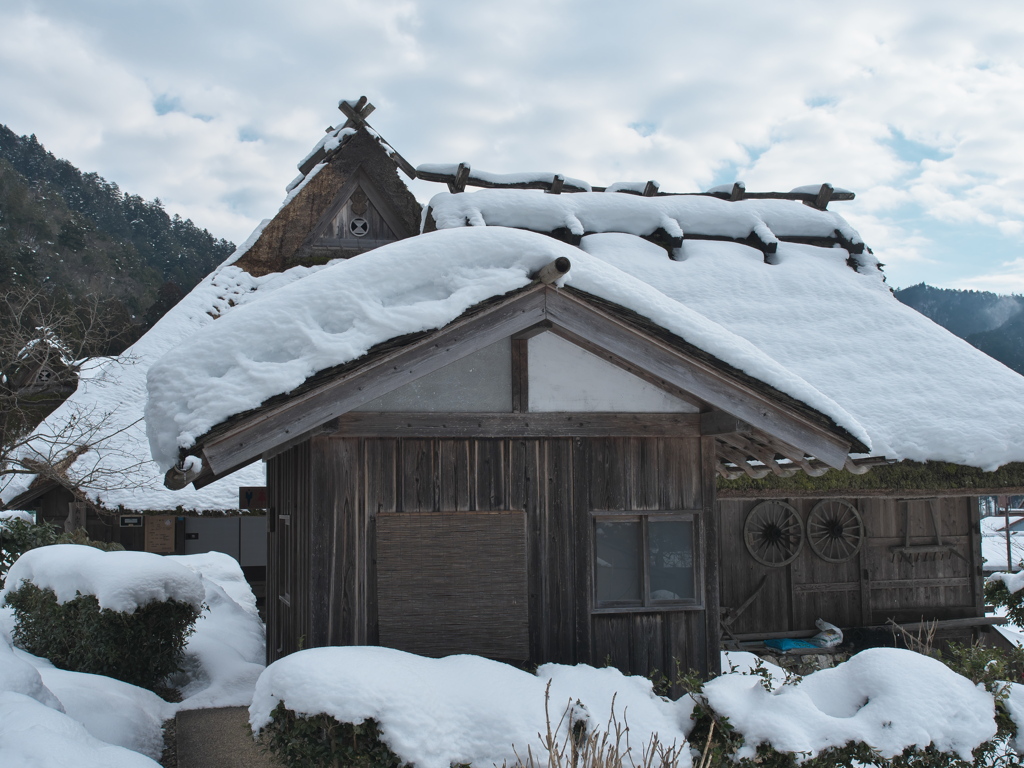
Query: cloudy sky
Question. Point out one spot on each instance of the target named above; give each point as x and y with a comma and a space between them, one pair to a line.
917, 106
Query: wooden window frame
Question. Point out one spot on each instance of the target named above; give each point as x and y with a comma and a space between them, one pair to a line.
649, 605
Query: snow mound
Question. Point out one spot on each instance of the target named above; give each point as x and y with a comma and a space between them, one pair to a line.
35, 736
121, 581
888, 698
461, 709
111, 710
225, 655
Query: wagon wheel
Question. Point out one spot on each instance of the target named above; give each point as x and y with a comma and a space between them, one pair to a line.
773, 533
835, 530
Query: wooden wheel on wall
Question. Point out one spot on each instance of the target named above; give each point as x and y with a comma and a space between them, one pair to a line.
835, 530
773, 533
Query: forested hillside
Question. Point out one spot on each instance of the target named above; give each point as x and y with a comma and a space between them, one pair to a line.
992, 323
73, 235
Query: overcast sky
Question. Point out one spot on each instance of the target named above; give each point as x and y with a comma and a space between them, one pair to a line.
917, 106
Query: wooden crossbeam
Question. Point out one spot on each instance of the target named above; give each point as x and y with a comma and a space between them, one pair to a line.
458, 182
356, 114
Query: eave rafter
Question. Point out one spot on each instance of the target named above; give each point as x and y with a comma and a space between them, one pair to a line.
753, 454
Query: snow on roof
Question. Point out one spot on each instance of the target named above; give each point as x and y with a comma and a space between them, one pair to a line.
272, 346
677, 215
828, 335
121, 581
118, 470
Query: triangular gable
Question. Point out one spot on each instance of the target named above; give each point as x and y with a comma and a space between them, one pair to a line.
360, 164
774, 417
359, 219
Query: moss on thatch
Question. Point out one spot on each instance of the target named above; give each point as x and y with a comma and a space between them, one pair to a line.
905, 478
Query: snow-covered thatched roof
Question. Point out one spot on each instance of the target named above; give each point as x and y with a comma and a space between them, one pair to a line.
754, 287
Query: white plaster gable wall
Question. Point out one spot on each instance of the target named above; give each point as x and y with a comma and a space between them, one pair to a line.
564, 377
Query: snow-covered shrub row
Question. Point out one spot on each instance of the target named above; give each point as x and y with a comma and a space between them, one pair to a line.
125, 615
433, 713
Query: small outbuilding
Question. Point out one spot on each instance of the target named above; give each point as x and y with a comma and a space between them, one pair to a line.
578, 424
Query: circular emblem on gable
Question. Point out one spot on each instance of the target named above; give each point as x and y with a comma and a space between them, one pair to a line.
359, 227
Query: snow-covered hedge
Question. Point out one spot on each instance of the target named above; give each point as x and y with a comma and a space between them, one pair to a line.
884, 707
125, 615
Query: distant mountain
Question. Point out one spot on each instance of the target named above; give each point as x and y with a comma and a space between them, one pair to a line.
74, 234
992, 323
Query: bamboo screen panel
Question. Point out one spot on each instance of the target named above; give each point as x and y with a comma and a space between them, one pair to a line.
453, 583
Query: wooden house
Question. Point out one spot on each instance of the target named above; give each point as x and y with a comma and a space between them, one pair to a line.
578, 424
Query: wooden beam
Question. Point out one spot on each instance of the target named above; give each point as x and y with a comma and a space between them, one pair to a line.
557, 182
555, 424
520, 375
721, 423
552, 271
611, 339
378, 377
458, 183
651, 188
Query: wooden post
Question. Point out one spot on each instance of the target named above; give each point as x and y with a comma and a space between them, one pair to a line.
651, 188
458, 184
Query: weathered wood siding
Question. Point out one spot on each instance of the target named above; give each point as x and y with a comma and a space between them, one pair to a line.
558, 482
875, 585
288, 552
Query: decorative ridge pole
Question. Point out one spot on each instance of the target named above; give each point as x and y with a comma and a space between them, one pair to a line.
549, 273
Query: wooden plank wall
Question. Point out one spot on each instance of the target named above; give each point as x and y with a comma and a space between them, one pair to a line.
873, 586
288, 552
558, 482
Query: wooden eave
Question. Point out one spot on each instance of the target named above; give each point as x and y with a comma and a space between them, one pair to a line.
605, 329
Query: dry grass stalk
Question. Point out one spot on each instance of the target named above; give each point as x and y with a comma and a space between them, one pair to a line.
922, 641
606, 748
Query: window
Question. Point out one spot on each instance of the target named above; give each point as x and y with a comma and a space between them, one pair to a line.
646, 561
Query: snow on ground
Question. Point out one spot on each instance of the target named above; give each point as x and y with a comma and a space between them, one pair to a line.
460, 709
886, 697
121, 581
53, 718
225, 655
808, 325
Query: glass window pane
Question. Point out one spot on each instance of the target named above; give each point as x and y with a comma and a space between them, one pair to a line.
671, 559
618, 562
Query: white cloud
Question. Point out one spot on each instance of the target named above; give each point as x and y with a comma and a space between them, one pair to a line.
785, 95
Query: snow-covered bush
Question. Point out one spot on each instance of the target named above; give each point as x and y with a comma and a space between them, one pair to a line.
459, 710
301, 741
17, 536
19, 533
1006, 590
125, 615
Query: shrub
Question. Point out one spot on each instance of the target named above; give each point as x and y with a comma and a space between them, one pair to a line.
300, 741
997, 594
141, 648
18, 536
